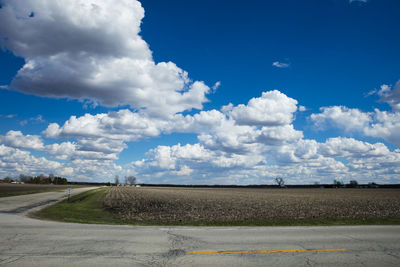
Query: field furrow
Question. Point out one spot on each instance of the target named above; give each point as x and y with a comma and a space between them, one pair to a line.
177, 205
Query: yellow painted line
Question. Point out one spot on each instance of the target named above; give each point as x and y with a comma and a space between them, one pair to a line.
264, 251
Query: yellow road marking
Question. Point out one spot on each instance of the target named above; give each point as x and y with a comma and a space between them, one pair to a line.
265, 251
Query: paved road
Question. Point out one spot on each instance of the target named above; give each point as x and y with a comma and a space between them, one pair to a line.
29, 242
31, 202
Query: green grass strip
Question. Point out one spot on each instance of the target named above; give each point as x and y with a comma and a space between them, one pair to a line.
88, 208
83, 208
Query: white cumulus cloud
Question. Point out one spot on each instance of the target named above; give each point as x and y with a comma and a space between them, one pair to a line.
385, 125
15, 161
379, 124
349, 147
271, 109
92, 50
391, 95
341, 117
17, 140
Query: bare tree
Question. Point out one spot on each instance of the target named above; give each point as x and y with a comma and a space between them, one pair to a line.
337, 183
116, 180
25, 178
8, 180
353, 183
280, 182
130, 179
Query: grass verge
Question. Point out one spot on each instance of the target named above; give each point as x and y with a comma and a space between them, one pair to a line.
88, 208
83, 208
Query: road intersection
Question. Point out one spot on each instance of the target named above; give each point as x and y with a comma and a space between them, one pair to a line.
30, 242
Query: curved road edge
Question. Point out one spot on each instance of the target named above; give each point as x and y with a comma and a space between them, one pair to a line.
25, 204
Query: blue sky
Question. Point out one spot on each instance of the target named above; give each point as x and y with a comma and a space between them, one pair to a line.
210, 92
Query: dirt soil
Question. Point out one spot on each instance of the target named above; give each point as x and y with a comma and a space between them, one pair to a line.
177, 205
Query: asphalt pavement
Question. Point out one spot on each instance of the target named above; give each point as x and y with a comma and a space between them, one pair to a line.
29, 242
28, 203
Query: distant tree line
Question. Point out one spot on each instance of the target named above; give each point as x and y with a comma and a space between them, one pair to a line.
7, 180
129, 180
42, 179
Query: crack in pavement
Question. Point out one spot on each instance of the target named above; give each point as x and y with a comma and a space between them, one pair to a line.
8, 261
29, 207
310, 262
179, 244
382, 247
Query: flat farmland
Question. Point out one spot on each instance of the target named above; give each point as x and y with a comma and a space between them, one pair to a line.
248, 206
7, 190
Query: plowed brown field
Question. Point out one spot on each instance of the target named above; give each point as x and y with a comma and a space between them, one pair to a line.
179, 205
